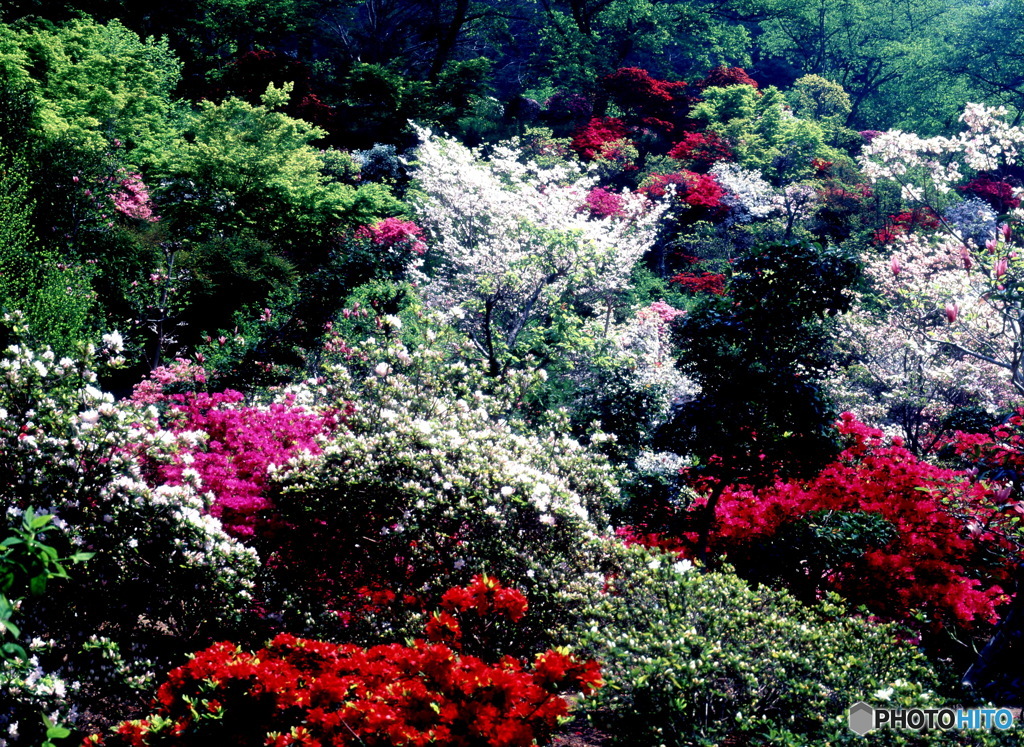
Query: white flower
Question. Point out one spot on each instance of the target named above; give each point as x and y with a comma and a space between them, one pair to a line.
885, 694
682, 566
382, 369
113, 341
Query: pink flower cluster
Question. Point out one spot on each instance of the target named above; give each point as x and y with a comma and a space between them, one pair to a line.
394, 232
133, 201
604, 204
242, 442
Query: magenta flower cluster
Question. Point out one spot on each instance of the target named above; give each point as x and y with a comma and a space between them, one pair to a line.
133, 201
394, 232
243, 443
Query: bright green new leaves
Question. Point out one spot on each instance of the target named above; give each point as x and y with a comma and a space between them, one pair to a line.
762, 132
243, 167
95, 83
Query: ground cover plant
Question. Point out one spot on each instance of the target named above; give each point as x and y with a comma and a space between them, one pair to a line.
364, 387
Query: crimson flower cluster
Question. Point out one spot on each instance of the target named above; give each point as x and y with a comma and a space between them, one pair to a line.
304, 692
702, 149
905, 222
940, 560
598, 138
604, 204
700, 282
997, 193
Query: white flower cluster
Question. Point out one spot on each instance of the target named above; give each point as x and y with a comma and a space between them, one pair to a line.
431, 467
512, 236
749, 197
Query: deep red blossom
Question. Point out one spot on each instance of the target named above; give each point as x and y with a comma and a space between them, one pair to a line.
702, 282
702, 149
998, 194
935, 563
598, 138
723, 77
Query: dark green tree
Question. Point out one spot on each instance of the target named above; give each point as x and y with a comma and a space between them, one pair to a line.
759, 354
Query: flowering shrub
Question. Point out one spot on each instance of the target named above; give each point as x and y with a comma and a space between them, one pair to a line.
700, 282
703, 658
972, 221
133, 200
430, 481
161, 568
604, 204
998, 194
393, 234
940, 560
517, 242
598, 138
701, 149
298, 691
240, 445
722, 77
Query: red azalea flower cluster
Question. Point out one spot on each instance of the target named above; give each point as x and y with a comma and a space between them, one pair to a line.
905, 222
696, 190
657, 105
598, 137
304, 692
486, 596
723, 77
242, 442
604, 204
938, 560
1001, 451
702, 149
998, 194
393, 233
700, 282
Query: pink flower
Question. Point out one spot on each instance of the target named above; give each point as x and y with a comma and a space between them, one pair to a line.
394, 232
952, 311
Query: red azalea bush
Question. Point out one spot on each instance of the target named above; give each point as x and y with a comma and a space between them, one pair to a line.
700, 282
593, 140
998, 194
700, 191
304, 692
723, 77
702, 149
905, 222
658, 105
944, 557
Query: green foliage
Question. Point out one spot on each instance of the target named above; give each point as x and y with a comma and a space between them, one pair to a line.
763, 134
759, 355
240, 167
95, 83
27, 564
694, 658
55, 299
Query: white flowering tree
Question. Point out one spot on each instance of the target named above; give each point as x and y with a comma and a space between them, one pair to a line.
959, 288
514, 240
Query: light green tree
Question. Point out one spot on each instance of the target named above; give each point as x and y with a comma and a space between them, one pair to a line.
95, 83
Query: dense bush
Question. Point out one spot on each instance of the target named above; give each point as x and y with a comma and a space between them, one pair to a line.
694, 658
